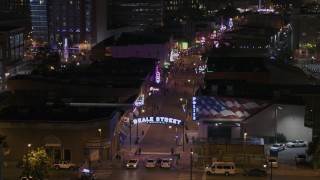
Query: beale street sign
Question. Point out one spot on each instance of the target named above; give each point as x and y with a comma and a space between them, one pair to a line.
157, 120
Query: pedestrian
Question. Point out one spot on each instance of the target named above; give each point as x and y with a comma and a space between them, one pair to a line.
187, 140
193, 140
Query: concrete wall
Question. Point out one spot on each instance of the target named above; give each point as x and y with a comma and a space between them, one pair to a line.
261, 124
290, 122
235, 131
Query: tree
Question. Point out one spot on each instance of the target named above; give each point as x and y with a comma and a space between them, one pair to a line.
313, 150
36, 164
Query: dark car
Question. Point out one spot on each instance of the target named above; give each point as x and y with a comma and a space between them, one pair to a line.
254, 172
301, 159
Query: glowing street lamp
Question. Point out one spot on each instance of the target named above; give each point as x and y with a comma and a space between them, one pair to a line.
244, 146
191, 156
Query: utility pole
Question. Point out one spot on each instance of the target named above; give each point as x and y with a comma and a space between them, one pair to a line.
1, 160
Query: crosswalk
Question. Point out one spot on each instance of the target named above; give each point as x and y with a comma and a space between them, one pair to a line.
104, 172
186, 176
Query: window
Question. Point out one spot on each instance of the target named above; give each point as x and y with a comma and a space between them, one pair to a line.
219, 167
57, 154
67, 154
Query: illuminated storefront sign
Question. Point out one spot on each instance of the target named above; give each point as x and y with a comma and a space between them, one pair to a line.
230, 23
184, 45
194, 103
66, 49
157, 120
139, 101
174, 54
157, 75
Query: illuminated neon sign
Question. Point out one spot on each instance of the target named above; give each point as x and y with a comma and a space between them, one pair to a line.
194, 103
139, 101
66, 49
157, 78
184, 45
157, 120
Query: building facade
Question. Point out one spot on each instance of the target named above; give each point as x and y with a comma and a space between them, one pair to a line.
11, 51
85, 135
141, 14
81, 22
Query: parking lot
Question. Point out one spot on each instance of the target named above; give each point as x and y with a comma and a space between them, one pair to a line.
287, 156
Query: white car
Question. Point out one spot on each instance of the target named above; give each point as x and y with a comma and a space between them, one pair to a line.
277, 147
273, 162
165, 163
133, 163
150, 163
297, 143
64, 165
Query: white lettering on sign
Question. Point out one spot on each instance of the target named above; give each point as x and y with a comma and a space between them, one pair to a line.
157, 120
157, 77
194, 109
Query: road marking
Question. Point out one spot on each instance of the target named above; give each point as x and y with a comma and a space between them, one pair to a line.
186, 176
156, 153
204, 176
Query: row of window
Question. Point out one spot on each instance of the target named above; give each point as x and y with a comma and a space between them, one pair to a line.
224, 167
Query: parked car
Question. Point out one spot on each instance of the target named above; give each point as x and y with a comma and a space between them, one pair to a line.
133, 163
297, 143
301, 158
277, 147
254, 172
165, 163
26, 178
273, 162
150, 163
64, 165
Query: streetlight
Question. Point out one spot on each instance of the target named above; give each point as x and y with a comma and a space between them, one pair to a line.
87, 46
191, 156
271, 171
192, 85
27, 162
183, 123
100, 148
1, 160
276, 121
244, 146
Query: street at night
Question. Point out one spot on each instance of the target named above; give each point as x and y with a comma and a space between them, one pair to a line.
159, 89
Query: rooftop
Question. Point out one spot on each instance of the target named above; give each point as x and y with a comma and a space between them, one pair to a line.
236, 64
143, 38
57, 113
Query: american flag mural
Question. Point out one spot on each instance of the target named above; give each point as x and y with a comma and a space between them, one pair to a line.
213, 107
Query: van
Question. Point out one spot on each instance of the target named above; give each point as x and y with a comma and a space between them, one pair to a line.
225, 168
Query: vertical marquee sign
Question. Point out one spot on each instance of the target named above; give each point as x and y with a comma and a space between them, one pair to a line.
157, 75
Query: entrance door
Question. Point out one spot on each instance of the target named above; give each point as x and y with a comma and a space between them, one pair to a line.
215, 132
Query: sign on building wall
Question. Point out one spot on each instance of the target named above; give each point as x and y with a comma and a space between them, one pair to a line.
219, 108
157, 120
